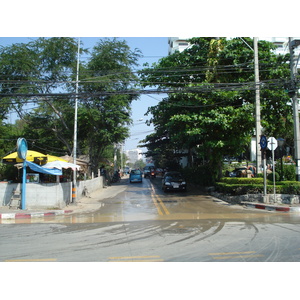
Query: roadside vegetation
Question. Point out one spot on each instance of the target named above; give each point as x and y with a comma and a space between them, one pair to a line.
207, 113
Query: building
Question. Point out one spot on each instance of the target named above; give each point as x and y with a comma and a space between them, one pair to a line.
133, 155
177, 43
281, 43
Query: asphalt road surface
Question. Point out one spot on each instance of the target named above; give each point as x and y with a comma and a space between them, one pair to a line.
143, 224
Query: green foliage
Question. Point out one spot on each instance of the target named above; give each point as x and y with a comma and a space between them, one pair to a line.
242, 186
289, 172
212, 112
200, 175
271, 178
47, 64
237, 180
9, 173
139, 164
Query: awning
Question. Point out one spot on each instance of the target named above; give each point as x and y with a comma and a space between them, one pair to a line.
43, 170
61, 165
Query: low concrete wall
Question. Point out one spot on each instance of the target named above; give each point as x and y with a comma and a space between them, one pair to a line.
259, 198
48, 195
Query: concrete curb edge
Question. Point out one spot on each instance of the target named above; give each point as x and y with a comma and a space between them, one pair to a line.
33, 215
272, 207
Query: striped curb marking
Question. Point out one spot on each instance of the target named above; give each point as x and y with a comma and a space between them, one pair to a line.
273, 208
33, 215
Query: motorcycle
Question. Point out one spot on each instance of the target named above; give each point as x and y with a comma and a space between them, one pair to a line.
116, 177
152, 174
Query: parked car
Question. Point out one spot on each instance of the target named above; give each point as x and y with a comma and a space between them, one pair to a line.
135, 176
173, 181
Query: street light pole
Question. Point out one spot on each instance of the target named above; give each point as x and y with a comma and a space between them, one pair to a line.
257, 106
75, 127
293, 68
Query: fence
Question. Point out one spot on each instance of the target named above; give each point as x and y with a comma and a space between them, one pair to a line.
49, 195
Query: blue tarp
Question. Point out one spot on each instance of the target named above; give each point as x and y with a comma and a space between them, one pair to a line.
41, 169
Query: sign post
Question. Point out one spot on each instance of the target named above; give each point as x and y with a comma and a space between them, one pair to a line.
263, 144
22, 153
272, 145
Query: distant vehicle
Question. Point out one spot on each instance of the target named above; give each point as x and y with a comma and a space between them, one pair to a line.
135, 176
152, 173
173, 181
147, 170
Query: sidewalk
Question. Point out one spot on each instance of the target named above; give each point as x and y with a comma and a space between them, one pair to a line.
83, 205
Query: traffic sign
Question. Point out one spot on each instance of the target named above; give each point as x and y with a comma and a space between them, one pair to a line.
272, 143
263, 142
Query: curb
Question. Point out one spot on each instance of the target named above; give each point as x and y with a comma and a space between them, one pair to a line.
272, 207
33, 215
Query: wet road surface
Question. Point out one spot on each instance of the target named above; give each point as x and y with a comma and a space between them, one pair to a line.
142, 223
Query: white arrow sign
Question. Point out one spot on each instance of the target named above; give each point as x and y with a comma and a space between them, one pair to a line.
272, 143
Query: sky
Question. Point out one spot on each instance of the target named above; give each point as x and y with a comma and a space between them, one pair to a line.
144, 27
152, 48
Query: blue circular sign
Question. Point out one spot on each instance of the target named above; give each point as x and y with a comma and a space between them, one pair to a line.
22, 148
263, 142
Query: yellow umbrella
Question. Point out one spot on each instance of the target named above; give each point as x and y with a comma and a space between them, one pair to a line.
33, 156
51, 158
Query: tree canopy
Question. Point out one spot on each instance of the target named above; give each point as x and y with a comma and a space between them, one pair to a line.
209, 111
43, 72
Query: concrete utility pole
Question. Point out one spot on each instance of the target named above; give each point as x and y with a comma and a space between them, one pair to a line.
293, 89
75, 128
257, 107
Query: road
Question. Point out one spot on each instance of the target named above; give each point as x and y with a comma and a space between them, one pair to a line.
143, 224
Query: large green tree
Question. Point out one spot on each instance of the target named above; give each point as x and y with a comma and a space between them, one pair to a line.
44, 72
210, 107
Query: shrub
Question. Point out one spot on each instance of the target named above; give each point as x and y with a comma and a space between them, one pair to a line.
242, 180
270, 177
283, 187
289, 172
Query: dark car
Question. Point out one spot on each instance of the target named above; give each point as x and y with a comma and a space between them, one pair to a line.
173, 181
135, 176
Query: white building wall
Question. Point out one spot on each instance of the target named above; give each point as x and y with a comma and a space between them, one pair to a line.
177, 44
134, 155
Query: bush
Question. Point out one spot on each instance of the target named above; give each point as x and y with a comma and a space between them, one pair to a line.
289, 172
242, 180
270, 177
232, 187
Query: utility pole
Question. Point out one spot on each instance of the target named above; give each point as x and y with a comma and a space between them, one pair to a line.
257, 107
75, 128
293, 93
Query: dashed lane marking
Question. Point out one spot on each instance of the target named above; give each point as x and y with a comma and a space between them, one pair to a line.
151, 258
31, 260
233, 255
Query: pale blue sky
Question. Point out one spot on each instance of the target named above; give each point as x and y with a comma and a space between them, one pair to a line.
153, 48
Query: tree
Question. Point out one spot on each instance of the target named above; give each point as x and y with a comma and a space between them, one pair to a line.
104, 113
210, 107
44, 72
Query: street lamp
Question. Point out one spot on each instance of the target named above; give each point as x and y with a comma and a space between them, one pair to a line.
281, 142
